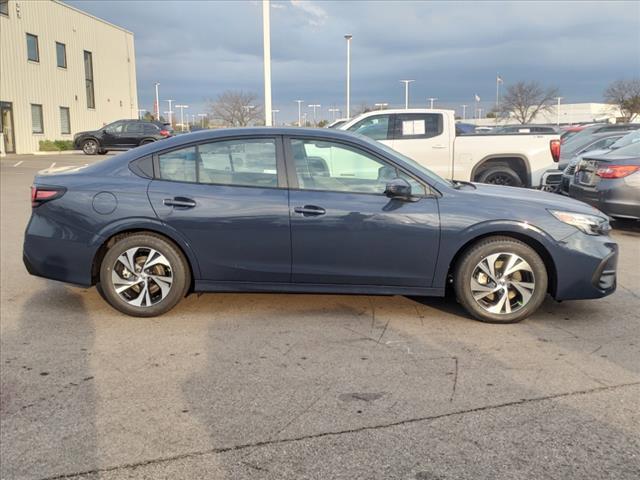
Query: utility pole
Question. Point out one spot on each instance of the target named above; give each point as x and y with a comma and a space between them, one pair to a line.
406, 92
182, 107
348, 38
299, 102
266, 44
170, 112
464, 112
558, 110
157, 109
314, 106
432, 99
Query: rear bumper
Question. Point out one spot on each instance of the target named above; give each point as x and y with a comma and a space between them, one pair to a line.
619, 200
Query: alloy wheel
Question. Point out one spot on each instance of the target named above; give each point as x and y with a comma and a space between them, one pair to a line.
142, 276
90, 147
502, 283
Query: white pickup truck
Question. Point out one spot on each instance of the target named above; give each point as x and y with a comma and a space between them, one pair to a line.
429, 137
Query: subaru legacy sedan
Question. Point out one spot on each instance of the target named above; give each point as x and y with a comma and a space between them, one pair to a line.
304, 210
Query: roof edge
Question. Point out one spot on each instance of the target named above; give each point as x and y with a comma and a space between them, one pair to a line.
75, 9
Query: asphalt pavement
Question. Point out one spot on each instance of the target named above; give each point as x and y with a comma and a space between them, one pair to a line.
270, 386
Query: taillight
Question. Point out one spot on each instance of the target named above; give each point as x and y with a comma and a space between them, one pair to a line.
165, 133
617, 171
554, 145
40, 195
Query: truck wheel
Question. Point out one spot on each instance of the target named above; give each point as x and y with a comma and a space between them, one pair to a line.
500, 175
144, 275
500, 280
90, 147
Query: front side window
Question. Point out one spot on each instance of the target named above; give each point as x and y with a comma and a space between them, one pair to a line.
65, 121
329, 166
115, 127
376, 127
61, 55
88, 79
37, 123
418, 125
33, 52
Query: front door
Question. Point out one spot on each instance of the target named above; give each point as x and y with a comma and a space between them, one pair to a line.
230, 202
6, 126
345, 230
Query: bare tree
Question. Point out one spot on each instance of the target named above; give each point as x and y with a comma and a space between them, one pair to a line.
236, 108
526, 100
626, 95
362, 108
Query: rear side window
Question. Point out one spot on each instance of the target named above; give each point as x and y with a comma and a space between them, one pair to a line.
417, 125
150, 129
246, 162
134, 128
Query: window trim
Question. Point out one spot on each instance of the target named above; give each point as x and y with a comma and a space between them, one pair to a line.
390, 126
60, 108
87, 79
37, 60
395, 127
65, 55
281, 172
292, 175
41, 132
5, 2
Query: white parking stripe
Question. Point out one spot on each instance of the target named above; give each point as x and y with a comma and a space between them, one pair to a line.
52, 165
18, 163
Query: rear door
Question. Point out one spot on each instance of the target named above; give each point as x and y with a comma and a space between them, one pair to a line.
344, 230
229, 199
423, 137
132, 135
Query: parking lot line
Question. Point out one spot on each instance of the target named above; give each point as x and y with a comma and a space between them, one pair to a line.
18, 163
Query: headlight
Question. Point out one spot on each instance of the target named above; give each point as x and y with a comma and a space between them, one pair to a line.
589, 224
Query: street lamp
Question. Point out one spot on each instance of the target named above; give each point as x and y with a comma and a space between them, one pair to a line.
157, 109
202, 117
381, 106
182, 107
432, 99
348, 38
558, 110
266, 45
273, 113
299, 102
333, 112
170, 112
406, 92
464, 111
314, 106
140, 112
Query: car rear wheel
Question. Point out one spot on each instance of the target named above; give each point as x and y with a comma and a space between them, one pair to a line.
500, 175
90, 147
500, 280
103, 152
144, 275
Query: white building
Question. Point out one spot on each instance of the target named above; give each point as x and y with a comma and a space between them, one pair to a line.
61, 71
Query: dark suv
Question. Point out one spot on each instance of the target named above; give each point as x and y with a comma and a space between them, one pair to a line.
120, 135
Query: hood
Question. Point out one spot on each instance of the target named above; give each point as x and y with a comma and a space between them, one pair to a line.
512, 196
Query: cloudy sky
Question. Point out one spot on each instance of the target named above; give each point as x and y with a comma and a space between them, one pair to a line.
453, 50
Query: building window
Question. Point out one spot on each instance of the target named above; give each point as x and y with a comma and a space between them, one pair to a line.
61, 54
4, 7
65, 121
37, 124
33, 52
88, 79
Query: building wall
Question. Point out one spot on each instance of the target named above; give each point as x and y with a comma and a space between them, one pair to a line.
23, 82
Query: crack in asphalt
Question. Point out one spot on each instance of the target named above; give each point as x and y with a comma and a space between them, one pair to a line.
264, 443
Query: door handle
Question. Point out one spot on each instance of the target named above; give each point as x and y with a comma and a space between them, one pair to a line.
439, 146
179, 202
310, 210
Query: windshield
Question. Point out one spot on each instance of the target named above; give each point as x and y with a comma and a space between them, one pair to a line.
628, 139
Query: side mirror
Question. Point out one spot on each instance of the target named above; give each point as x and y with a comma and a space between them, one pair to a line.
398, 188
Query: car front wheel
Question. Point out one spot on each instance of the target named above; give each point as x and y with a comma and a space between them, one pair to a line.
144, 275
90, 147
500, 280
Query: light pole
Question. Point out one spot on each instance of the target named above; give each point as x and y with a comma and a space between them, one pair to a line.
266, 44
273, 113
432, 99
157, 109
479, 113
182, 107
333, 112
202, 117
464, 112
304, 118
558, 110
406, 92
348, 38
170, 112
314, 106
140, 111
381, 106
299, 102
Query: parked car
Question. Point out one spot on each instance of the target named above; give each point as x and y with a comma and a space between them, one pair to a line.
588, 135
570, 130
569, 173
610, 182
337, 122
307, 210
429, 137
121, 135
527, 129
484, 129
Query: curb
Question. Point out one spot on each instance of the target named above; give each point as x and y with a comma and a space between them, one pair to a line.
65, 152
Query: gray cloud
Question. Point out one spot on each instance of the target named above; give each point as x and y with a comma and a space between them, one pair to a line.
197, 49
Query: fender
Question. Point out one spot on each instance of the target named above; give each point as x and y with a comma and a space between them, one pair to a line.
451, 245
502, 156
153, 225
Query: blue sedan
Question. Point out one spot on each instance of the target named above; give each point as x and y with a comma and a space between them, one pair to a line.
303, 210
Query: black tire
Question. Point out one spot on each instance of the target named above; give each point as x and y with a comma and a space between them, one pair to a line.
103, 152
500, 175
178, 269
468, 264
147, 141
90, 146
